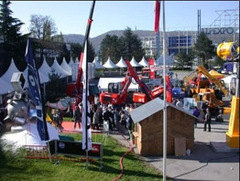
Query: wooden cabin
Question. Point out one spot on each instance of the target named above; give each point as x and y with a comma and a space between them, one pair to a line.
148, 129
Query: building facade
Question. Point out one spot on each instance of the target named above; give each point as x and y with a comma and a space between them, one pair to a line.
224, 28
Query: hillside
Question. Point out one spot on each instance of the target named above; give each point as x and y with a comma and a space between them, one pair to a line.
96, 41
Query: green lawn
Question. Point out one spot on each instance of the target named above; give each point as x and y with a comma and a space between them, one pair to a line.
13, 166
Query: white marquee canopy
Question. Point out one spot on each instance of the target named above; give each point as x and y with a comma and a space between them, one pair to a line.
134, 63
66, 67
7, 76
109, 64
97, 64
59, 70
121, 63
144, 62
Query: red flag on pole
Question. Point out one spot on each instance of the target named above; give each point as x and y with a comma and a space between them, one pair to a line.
151, 66
157, 16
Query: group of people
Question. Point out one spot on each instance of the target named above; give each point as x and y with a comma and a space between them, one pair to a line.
100, 113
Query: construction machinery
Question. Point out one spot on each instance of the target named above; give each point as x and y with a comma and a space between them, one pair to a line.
202, 82
117, 92
205, 89
229, 51
147, 94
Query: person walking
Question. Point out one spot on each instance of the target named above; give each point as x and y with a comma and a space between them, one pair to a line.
96, 117
207, 120
108, 116
129, 124
77, 117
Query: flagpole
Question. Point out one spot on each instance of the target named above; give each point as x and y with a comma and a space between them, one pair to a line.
85, 87
164, 107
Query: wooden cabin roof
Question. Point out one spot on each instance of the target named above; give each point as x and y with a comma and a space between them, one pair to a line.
144, 111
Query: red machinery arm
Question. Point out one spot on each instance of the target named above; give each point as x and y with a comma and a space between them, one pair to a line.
142, 85
156, 91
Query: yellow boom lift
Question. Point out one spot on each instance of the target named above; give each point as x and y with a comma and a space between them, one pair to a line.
229, 51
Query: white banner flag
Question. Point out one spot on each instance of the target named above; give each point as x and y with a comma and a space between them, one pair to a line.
86, 121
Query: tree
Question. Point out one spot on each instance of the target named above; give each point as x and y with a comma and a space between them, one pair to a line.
131, 45
58, 38
91, 52
14, 42
204, 47
42, 27
76, 50
56, 87
184, 59
128, 45
110, 46
218, 61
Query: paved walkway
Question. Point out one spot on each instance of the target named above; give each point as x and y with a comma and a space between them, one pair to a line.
204, 163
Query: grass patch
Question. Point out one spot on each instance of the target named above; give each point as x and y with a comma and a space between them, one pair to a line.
13, 165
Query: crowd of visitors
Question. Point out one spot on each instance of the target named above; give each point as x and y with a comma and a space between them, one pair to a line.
113, 116
117, 117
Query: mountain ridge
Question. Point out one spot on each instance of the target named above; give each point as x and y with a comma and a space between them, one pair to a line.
96, 41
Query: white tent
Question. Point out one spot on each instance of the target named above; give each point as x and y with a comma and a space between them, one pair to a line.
59, 70
109, 64
77, 60
71, 62
7, 76
121, 63
169, 60
66, 67
91, 71
97, 64
144, 62
5, 87
28, 135
44, 77
134, 63
44, 72
74, 71
74, 68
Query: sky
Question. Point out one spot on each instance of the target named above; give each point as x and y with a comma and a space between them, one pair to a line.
71, 17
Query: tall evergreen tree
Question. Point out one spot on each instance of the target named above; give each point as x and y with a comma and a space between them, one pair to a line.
127, 46
131, 45
76, 50
204, 47
91, 52
14, 43
110, 46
